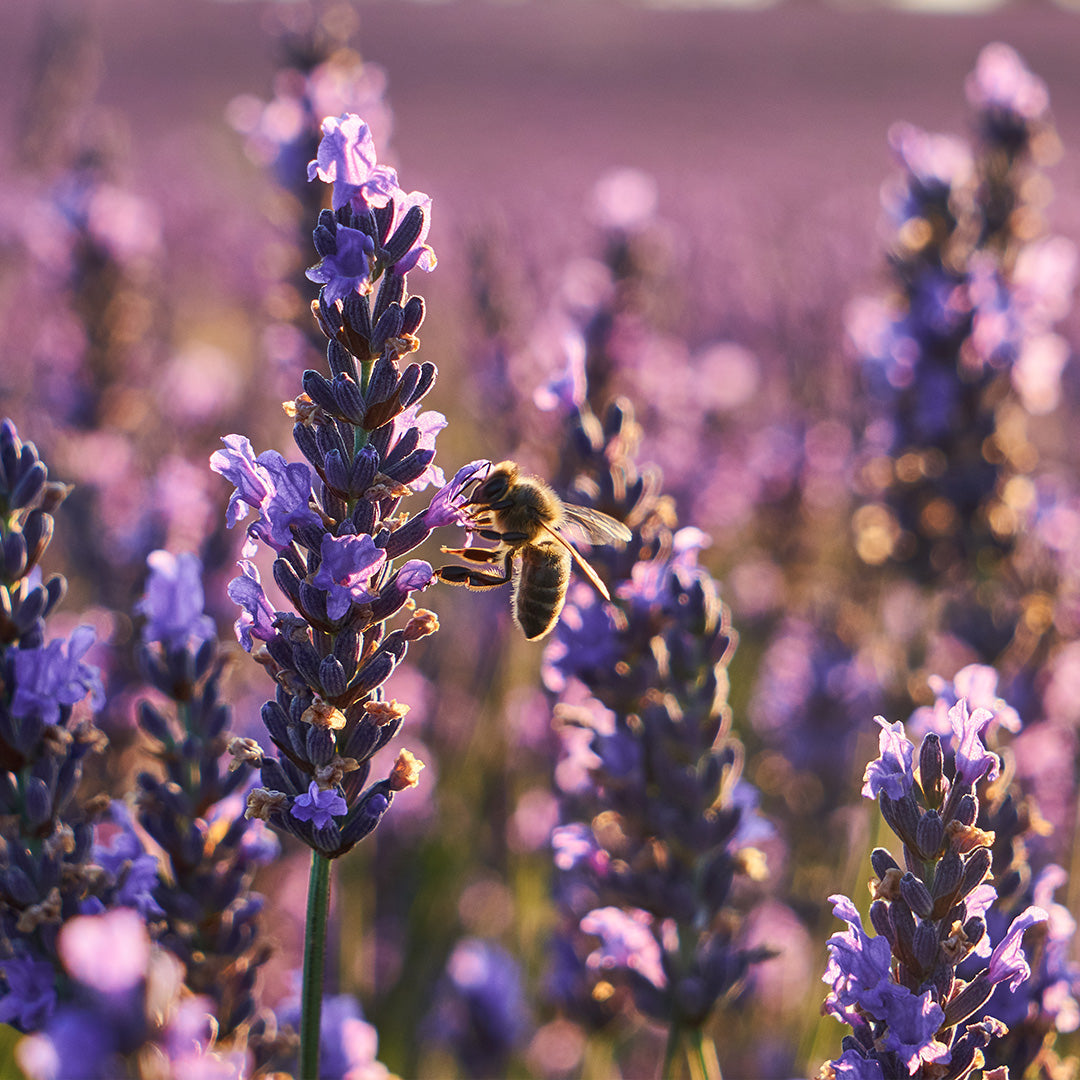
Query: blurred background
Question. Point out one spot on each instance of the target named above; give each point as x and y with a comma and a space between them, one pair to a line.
153, 237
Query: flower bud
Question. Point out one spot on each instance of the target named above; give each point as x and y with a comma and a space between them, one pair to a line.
931, 760
916, 895
930, 834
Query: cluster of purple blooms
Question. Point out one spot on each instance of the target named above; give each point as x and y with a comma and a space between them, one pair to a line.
79, 884
901, 990
195, 811
47, 695
657, 825
333, 521
966, 340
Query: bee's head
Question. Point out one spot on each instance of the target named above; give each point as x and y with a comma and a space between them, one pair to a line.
496, 484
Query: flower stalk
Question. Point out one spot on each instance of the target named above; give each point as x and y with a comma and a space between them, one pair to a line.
318, 913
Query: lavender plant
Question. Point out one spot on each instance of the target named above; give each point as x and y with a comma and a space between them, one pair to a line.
479, 1011
46, 735
128, 1016
964, 349
659, 825
335, 529
193, 808
1020, 840
910, 1010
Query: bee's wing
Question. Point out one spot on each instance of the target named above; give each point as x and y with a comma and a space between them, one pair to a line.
585, 568
595, 527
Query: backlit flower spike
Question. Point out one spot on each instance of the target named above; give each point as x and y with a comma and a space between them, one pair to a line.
204, 909
960, 343
658, 763
918, 995
335, 521
48, 693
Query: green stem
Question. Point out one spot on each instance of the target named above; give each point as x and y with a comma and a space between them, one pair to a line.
701, 1052
701, 1059
671, 1052
318, 910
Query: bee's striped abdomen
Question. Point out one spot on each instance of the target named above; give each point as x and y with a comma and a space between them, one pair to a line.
540, 585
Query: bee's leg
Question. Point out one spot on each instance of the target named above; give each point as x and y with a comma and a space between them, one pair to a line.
477, 579
481, 555
504, 537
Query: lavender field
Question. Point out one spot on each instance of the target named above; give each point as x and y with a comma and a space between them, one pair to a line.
724, 356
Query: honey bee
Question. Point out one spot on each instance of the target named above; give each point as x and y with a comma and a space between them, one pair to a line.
527, 519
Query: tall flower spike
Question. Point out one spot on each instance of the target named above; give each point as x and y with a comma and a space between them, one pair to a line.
665, 822
911, 1008
192, 805
334, 524
333, 520
46, 822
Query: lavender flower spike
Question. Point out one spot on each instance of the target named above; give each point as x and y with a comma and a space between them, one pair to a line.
334, 524
908, 1002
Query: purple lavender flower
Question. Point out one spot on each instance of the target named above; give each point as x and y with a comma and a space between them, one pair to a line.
318, 807
126, 1009
30, 996
125, 859
48, 678
978, 684
348, 1044
427, 425
419, 255
973, 760
279, 490
118, 935
859, 965
257, 618
852, 1065
1001, 84
348, 565
900, 991
1007, 961
333, 521
480, 1011
348, 268
627, 940
348, 160
447, 507
46, 816
173, 601
237, 463
890, 773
